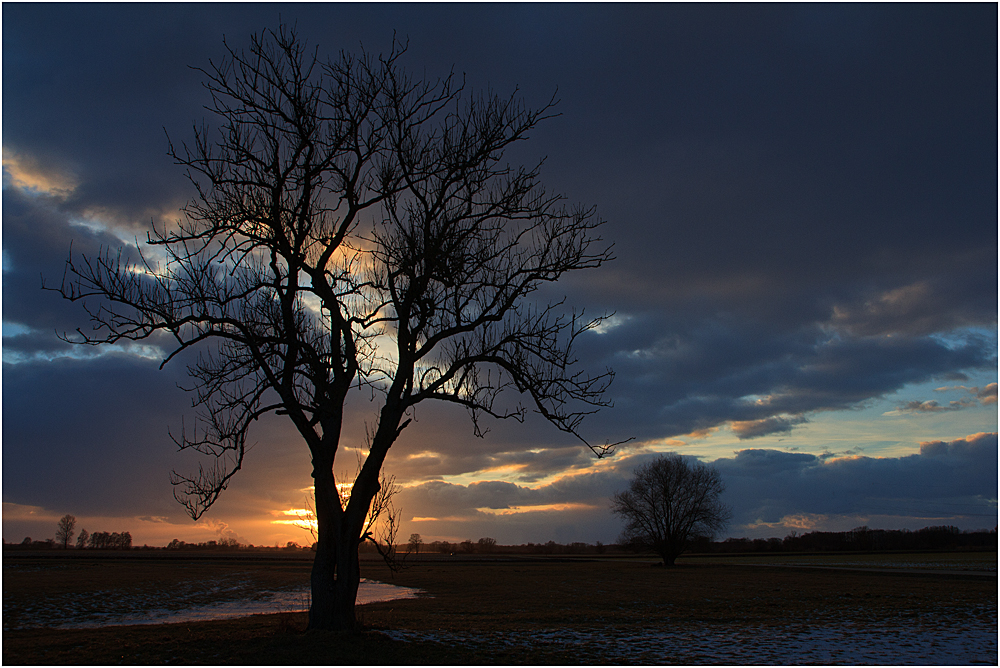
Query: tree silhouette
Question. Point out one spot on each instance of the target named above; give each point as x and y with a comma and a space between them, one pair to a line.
669, 502
83, 539
353, 228
64, 530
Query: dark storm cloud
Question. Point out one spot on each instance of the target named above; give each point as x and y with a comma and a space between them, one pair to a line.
676, 377
939, 304
953, 482
802, 198
39, 233
90, 436
800, 183
104, 82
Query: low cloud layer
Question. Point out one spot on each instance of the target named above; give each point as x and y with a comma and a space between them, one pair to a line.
946, 483
771, 492
975, 396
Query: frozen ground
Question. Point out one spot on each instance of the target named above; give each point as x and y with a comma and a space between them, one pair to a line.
923, 641
117, 608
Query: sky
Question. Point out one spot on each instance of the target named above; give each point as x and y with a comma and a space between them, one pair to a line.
803, 202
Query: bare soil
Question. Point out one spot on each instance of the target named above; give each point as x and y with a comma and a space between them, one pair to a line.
521, 612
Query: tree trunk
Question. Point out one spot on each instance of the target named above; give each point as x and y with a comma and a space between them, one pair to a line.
669, 554
336, 575
336, 572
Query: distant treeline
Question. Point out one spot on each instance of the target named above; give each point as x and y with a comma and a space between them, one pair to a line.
232, 544
490, 546
99, 540
123, 541
861, 539
102, 540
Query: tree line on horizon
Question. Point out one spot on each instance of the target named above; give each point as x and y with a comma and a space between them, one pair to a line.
65, 530
859, 539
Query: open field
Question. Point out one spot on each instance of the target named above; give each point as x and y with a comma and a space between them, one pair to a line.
971, 561
524, 611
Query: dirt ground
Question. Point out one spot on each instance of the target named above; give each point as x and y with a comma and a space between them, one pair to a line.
526, 612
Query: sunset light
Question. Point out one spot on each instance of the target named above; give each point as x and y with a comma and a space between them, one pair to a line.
517, 333
790, 300
549, 507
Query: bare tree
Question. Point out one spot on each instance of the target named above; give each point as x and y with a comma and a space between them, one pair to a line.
415, 542
83, 539
64, 530
669, 502
345, 208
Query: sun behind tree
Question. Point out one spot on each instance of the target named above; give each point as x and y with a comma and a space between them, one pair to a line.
354, 227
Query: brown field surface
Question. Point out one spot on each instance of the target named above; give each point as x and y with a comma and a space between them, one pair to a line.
521, 611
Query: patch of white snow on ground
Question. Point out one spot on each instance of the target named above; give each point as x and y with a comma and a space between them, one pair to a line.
927, 642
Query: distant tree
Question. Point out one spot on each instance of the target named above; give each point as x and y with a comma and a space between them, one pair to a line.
415, 542
82, 539
102, 540
26, 541
345, 209
486, 545
668, 502
64, 530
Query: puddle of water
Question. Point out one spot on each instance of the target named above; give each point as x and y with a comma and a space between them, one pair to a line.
296, 600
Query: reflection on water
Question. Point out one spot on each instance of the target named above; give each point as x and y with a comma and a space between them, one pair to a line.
264, 603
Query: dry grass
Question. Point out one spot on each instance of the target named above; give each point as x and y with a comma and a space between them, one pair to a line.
481, 597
